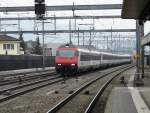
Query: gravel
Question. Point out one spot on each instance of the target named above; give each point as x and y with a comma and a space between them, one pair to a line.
40, 101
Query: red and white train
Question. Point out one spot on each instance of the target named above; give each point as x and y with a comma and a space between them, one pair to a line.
72, 59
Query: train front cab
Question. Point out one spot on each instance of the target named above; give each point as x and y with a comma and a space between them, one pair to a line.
66, 61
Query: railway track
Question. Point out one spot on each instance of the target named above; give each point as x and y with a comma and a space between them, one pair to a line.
8, 93
92, 104
9, 74
12, 92
27, 77
66, 105
7, 77
28, 84
23, 89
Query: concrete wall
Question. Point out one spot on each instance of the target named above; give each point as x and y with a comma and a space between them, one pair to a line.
15, 62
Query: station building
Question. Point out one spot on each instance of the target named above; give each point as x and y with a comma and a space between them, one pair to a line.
9, 45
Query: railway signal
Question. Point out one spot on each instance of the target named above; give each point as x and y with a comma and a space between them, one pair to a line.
39, 1
40, 8
40, 12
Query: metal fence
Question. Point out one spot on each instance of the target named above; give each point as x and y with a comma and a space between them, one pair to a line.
12, 62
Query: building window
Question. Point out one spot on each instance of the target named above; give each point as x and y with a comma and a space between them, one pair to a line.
4, 46
12, 46
8, 46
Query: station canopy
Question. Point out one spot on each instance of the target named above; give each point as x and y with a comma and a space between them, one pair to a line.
136, 9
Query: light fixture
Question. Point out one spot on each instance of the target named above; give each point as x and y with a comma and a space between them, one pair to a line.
72, 64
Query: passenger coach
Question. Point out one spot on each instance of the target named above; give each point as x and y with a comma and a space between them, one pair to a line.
71, 59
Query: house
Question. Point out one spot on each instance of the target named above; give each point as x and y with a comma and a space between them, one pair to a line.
9, 45
50, 48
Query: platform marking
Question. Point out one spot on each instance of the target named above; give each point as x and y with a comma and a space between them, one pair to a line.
139, 103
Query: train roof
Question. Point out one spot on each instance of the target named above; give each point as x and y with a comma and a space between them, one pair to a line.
67, 46
88, 48
120, 55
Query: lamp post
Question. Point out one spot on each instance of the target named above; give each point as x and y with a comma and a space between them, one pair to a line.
43, 44
70, 32
78, 37
83, 38
90, 37
111, 40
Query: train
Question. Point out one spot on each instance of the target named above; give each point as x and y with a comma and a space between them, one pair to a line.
73, 59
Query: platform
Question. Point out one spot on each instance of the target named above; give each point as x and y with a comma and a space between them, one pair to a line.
120, 101
130, 99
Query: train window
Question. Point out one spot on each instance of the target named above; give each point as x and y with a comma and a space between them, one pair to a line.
77, 53
66, 53
85, 56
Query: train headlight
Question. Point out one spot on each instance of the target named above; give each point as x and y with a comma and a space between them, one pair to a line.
72, 64
59, 64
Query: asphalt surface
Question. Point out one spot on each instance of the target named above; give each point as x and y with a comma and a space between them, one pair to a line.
121, 100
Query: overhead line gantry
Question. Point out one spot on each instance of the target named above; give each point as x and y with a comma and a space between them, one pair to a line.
63, 8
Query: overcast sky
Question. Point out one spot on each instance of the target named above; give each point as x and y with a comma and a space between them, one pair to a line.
57, 2
63, 24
